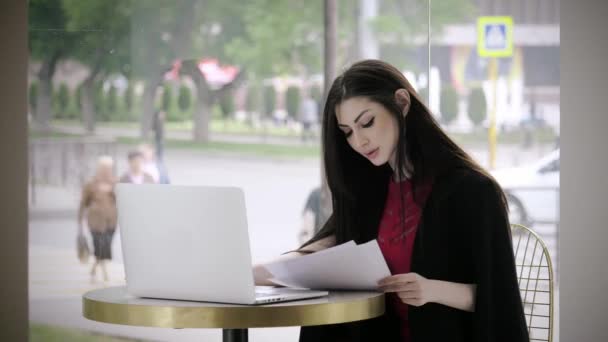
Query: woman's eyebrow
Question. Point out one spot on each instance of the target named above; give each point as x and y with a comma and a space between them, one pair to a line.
357, 118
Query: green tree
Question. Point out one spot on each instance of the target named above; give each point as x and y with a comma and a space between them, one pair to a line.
293, 101
477, 106
104, 46
449, 104
300, 40
49, 44
401, 22
184, 99
165, 34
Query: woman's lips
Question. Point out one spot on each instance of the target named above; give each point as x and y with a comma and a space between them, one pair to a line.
372, 154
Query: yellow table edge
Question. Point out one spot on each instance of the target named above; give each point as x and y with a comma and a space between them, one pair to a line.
233, 317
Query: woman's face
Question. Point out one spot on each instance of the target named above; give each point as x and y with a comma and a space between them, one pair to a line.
105, 172
370, 129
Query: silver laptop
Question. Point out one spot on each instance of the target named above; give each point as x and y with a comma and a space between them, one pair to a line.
191, 243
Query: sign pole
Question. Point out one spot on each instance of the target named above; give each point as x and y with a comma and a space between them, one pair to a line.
494, 40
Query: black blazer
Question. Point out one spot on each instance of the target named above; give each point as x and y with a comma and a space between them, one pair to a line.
463, 237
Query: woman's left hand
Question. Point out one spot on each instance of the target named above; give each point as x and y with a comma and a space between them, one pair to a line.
411, 288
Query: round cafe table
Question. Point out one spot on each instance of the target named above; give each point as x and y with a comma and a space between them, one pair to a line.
115, 305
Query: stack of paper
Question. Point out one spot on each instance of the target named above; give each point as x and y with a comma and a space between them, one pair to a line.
345, 267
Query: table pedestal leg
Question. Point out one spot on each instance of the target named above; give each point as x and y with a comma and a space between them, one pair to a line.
235, 335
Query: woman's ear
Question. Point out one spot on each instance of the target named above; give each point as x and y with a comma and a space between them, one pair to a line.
403, 99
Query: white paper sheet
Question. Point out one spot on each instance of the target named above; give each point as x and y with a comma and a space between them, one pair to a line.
344, 267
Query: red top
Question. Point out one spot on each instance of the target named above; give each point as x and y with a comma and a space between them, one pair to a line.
396, 239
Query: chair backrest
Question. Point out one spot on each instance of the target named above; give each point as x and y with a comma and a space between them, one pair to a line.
535, 278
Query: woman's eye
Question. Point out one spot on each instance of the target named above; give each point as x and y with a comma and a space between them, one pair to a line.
370, 123
348, 134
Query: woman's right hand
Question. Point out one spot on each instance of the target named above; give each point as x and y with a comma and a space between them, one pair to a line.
261, 276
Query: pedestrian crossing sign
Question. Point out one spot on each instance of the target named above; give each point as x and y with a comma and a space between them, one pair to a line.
495, 36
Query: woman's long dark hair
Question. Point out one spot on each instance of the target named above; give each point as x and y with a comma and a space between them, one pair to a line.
358, 187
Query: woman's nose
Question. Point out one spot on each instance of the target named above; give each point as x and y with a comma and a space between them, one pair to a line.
361, 140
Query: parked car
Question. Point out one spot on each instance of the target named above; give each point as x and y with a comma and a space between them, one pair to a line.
532, 191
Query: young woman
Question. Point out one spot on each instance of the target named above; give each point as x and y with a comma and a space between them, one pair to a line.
439, 218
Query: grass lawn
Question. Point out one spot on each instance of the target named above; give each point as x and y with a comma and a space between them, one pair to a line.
541, 135
216, 126
262, 150
51, 135
47, 333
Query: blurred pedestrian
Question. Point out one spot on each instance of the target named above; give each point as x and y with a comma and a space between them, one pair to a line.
98, 206
309, 116
153, 164
136, 173
311, 216
158, 125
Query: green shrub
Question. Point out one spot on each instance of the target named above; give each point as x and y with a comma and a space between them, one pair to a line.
184, 98
477, 106
317, 94
112, 101
99, 102
60, 100
449, 104
269, 100
78, 97
128, 97
33, 95
166, 101
253, 98
293, 101
227, 104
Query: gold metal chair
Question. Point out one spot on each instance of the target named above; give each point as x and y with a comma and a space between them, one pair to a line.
535, 278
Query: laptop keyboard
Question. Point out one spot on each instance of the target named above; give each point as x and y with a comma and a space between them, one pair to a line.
275, 291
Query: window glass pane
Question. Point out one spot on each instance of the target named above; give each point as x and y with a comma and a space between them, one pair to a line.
520, 102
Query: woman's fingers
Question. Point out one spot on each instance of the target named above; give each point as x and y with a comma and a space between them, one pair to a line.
401, 286
398, 278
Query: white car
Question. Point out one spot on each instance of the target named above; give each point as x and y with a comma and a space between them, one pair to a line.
532, 191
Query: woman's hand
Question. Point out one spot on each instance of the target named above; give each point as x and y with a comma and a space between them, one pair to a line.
411, 288
414, 289
261, 276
